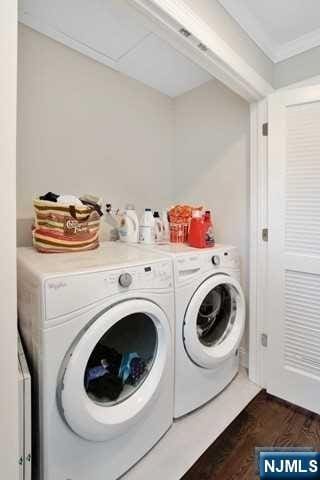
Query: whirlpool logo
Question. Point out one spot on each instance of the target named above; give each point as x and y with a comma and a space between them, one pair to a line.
57, 285
291, 464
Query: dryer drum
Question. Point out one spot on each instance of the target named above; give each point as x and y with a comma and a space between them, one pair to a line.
216, 315
208, 312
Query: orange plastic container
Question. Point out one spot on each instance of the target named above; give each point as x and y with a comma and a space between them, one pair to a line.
179, 221
179, 232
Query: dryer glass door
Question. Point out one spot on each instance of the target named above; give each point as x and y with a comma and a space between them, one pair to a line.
214, 321
113, 371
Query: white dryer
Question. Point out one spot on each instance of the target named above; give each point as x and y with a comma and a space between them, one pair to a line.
210, 320
70, 305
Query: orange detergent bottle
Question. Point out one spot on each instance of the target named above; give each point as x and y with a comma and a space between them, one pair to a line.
197, 232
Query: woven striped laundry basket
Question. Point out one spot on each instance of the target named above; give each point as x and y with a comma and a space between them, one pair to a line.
63, 228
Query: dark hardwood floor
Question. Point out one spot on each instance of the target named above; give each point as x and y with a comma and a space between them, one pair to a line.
265, 422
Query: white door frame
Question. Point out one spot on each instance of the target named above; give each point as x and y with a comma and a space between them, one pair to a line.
8, 300
258, 246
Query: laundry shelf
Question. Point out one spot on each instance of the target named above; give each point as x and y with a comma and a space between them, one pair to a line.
191, 435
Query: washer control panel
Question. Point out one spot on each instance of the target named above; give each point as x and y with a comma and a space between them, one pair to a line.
158, 275
68, 293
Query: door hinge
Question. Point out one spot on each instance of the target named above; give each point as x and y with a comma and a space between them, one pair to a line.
264, 339
265, 129
265, 234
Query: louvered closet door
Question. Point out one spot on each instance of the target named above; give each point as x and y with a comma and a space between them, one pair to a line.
293, 370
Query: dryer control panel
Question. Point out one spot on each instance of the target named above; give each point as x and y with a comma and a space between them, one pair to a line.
64, 294
206, 261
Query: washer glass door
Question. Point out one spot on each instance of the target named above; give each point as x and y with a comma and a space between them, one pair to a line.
214, 321
113, 371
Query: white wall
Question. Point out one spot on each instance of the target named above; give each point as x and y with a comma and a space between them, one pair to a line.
212, 161
8, 308
84, 128
212, 12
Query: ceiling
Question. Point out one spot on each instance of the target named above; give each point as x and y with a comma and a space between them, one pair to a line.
281, 28
116, 34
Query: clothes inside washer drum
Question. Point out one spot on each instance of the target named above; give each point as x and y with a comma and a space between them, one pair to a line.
103, 355
108, 386
108, 370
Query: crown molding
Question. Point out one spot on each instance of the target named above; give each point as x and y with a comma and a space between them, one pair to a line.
299, 45
254, 29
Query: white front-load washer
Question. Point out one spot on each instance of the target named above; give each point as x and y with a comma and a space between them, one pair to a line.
70, 306
209, 321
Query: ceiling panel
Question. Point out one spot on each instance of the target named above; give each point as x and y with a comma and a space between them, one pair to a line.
114, 33
109, 27
155, 63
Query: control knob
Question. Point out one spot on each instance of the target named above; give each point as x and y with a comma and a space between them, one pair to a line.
216, 260
125, 280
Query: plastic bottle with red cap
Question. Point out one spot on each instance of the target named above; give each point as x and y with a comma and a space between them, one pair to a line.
197, 231
209, 233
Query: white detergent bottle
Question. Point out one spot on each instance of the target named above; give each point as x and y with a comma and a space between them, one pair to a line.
129, 225
147, 227
158, 228
109, 225
165, 227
